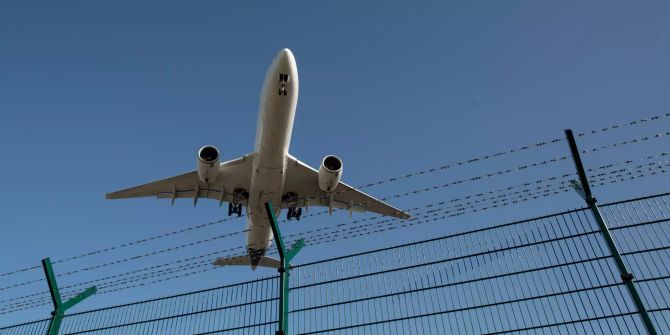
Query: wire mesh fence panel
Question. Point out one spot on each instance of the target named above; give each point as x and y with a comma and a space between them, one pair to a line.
35, 327
232, 308
548, 275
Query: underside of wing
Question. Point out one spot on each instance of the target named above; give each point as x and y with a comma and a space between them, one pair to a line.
233, 179
302, 181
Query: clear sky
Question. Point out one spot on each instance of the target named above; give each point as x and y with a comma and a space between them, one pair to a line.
99, 96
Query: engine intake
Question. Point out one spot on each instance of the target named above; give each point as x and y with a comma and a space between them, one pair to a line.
330, 173
208, 164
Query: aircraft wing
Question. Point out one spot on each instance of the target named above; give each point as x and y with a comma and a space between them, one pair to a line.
233, 174
302, 180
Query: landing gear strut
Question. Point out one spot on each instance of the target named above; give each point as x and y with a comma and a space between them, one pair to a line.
283, 80
234, 209
293, 213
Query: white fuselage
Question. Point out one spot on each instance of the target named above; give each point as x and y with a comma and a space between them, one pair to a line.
278, 101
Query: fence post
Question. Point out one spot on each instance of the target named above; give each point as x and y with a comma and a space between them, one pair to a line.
583, 189
59, 306
285, 257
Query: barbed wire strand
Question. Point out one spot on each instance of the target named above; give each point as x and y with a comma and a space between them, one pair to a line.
632, 175
357, 230
239, 232
379, 182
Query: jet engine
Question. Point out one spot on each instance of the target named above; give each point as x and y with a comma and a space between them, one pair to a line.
330, 173
208, 164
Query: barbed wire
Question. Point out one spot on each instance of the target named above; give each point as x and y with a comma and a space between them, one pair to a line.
662, 154
664, 168
413, 192
540, 144
315, 231
128, 259
653, 169
330, 239
525, 195
514, 169
147, 239
493, 199
625, 124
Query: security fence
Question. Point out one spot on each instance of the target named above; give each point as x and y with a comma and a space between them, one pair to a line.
548, 275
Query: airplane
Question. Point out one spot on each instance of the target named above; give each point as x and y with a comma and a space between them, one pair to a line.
269, 173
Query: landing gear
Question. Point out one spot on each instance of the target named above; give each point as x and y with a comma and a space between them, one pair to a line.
234, 209
283, 80
293, 213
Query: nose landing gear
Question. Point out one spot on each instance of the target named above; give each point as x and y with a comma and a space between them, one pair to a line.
234, 209
283, 81
293, 213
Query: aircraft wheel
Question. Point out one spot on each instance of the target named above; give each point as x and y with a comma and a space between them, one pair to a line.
230, 209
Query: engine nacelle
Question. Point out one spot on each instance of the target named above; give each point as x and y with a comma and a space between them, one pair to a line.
330, 173
208, 164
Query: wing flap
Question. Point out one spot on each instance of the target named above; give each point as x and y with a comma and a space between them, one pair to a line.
233, 175
202, 193
180, 182
325, 202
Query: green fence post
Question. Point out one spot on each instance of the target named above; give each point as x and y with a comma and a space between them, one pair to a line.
285, 257
583, 189
59, 306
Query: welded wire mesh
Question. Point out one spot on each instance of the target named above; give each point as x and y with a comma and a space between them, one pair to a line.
548, 275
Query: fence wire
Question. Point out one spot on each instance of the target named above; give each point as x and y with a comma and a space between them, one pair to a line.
548, 275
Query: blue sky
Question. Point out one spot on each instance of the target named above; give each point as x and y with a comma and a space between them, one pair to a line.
95, 97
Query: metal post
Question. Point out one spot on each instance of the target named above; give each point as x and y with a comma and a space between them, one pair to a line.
59, 306
285, 257
582, 187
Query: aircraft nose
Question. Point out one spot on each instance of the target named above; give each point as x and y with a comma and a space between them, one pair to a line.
285, 57
285, 54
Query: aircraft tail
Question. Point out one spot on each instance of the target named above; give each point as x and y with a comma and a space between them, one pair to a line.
266, 261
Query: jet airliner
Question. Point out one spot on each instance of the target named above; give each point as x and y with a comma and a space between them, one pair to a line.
269, 173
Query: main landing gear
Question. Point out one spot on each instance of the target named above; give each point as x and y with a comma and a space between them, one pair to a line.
293, 213
234, 209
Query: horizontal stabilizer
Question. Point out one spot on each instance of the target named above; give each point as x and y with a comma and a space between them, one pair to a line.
266, 261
